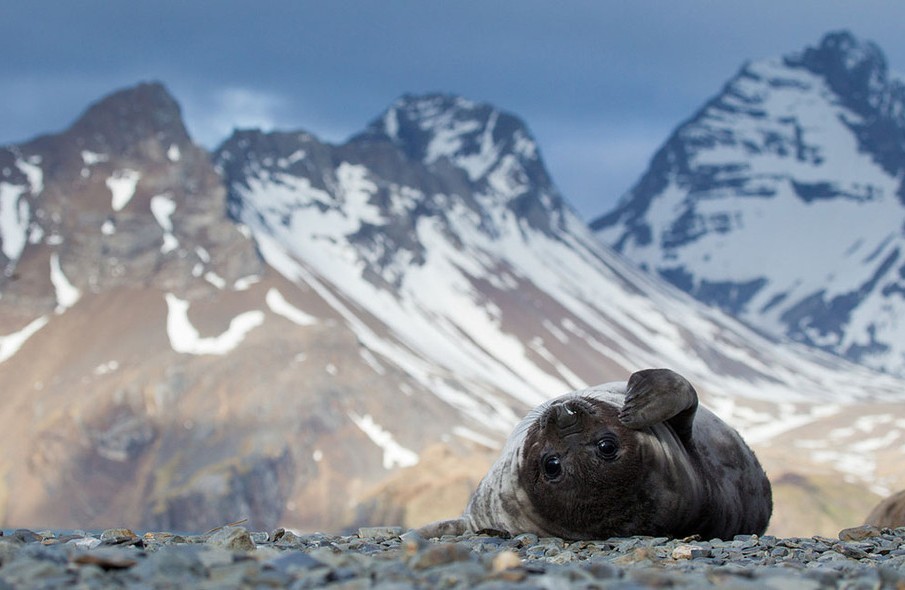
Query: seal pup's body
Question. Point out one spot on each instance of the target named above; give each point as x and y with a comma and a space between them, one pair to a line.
621, 459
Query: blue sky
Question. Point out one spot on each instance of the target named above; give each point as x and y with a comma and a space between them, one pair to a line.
601, 84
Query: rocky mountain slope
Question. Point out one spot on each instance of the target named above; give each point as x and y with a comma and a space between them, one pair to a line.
782, 201
299, 333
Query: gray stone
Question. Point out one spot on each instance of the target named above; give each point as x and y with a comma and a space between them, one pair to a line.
234, 574
233, 538
115, 535
859, 533
215, 556
380, 532
171, 561
294, 561
440, 554
525, 540
600, 569
536, 551
850, 550
459, 574
36, 573
106, 558
8, 550
468, 561
283, 538
563, 557
25, 536
412, 542
788, 581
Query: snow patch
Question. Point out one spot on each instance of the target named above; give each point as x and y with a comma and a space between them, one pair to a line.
278, 305
67, 294
357, 190
122, 186
11, 343
170, 243
33, 172
447, 136
244, 230
162, 207
296, 156
185, 339
203, 254
36, 234
215, 279
391, 124
394, 454
91, 158
245, 283
14, 220
173, 153
478, 164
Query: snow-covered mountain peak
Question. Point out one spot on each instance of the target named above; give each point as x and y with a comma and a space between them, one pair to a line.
856, 71
781, 201
472, 135
854, 68
122, 196
438, 159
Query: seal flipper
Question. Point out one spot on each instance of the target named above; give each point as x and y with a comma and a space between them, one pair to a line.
456, 526
660, 395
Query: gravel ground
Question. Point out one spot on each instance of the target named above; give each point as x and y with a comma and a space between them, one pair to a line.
391, 559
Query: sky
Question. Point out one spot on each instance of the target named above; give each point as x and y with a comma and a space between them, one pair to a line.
601, 84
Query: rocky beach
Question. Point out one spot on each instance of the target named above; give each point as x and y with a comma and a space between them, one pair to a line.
391, 558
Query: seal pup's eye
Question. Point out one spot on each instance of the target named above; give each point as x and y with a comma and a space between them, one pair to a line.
552, 466
608, 448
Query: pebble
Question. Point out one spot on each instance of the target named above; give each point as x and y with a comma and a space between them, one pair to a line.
234, 538
859, 533
387, 558
380, 532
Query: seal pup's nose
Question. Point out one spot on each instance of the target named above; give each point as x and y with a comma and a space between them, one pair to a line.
567, 416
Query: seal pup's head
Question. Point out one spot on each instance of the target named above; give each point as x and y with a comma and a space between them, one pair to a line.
589, 476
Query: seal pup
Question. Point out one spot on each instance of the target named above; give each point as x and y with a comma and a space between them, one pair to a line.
621, 459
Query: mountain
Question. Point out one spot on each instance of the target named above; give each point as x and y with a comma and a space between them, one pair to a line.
321, 336
782, 202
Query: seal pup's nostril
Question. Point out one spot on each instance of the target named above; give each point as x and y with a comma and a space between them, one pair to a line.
567, 416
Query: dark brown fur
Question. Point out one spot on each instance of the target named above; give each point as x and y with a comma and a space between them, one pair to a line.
567, 502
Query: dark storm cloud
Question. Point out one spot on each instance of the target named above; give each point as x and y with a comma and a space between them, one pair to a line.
601, 84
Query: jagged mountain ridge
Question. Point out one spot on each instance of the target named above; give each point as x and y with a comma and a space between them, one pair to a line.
417, 287
810, 151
